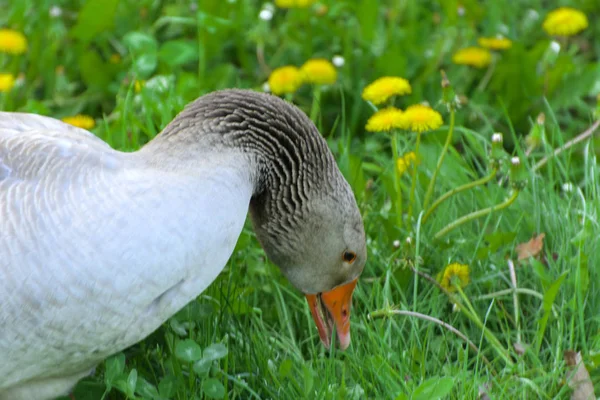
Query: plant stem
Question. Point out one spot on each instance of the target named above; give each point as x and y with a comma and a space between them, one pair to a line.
413, 184
390, 312
314, 109
476, 214
397, 187
582, 136
440, 160
459, 189
470, 313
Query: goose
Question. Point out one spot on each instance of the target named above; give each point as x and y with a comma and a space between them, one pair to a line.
99, 247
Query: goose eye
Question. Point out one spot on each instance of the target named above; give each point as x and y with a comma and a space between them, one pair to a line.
349, 256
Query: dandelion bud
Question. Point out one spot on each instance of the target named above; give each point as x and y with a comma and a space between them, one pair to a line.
541, 119
518, 174
338, 61
497, 153
536, 134
396, 243
265, 14
449, 97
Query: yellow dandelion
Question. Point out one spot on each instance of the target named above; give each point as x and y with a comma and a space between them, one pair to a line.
138, 85
12, 42
7, 81
420, 118
382, 89
405, 162
319, 71
115, 58
473, 56
384, 120
455, 273
294, 3
495, 43
80, 121
565, 21
285, 80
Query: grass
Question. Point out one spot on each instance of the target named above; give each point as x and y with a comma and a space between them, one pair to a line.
250, 334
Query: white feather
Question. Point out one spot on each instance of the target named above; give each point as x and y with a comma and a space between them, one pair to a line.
98, 248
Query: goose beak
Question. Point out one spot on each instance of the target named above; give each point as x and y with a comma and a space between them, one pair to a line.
333, 308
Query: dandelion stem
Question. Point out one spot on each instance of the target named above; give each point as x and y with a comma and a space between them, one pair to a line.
445, 325
469, 312
397, 187
477, 214
413, 184
582, 136
440, 160
314, 109
472, 315
459, 189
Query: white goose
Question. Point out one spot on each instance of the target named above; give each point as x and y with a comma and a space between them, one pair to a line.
98, 247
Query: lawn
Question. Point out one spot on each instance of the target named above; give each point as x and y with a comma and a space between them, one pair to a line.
480, 189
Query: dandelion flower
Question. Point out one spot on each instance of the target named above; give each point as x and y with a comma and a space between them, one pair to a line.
404, 163
285, 80
455, 273
12, 42
7, 81
383, 88
138, 85
495, 43
293, 3
384, 120
420, 118
565, 21
80, 121
473, 56
319, 71
115, 58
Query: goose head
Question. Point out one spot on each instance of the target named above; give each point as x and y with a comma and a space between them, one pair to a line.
322, 255
303, 210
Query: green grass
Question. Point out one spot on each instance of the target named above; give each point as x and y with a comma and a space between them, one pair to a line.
251, 311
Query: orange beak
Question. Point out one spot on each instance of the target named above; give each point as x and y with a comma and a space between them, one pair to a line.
333, 308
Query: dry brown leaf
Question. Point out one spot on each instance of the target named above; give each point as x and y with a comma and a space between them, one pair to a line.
578, 378
531, 248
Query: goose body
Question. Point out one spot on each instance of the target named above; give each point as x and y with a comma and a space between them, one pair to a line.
98, 247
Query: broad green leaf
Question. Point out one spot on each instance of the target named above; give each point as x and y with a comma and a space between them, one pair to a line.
215, 351
202, 367
139, 42
95, 17
132, 382
213, 389
93, 70
285, 368
309, 379
146, 389
549, 297
178, 52
113, 368
433, 388
187, 350
167, 387
145, 65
